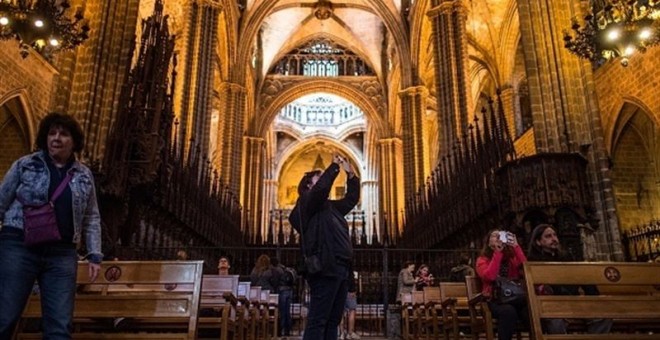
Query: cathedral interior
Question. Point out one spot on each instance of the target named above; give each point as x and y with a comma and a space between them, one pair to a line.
201, 116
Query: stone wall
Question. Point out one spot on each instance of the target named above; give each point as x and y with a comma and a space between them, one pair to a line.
26, 87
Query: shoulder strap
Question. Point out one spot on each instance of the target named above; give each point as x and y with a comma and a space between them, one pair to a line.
60, 188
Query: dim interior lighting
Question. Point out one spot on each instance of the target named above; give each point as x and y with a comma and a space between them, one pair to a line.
613, 29
33, 22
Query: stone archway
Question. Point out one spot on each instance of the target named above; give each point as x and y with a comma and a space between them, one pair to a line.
288, 156
365, 92
16, 131
635, 145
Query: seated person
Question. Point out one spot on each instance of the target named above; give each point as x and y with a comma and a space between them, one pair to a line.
502, 259
223, 265
424, 278
544, 246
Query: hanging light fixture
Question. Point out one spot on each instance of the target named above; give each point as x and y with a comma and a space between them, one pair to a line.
615, 28
41, 25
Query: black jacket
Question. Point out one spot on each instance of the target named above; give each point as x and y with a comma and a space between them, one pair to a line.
324, 227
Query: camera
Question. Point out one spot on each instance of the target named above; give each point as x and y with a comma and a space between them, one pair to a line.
504, 236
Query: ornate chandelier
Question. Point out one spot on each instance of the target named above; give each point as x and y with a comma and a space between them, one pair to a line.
42, 25
615, 28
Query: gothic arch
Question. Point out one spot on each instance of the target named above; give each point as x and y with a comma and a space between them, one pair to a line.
420, 20
343, 42
301, 88
16, 128
294, 148
621, 116
26, 119
252, 23
510, 39
635, 153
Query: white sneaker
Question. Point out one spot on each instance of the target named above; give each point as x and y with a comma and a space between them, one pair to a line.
353, 336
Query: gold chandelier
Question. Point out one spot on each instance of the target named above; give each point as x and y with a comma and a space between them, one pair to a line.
615, 28
42, 25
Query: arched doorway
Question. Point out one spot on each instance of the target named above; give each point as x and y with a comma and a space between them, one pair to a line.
635, 154
303, 137
15, 132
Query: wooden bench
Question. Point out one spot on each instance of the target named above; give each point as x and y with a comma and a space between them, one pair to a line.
220, 308
455, 311
481, 319
639, 303
153, 295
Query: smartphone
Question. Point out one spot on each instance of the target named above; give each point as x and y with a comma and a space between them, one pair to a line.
504, 236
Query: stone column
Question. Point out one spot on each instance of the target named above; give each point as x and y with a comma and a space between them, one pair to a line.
195, 78
268, 203
391, 185
508, 96
449, 18
413, 102
370, 207
564, 107
92, 76
230, 160
252, 188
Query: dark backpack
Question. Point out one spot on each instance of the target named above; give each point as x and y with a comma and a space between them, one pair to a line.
288, 277
457, 275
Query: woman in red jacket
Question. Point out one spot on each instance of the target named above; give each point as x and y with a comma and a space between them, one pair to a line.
502, 256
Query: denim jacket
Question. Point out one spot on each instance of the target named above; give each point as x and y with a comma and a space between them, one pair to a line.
29, 178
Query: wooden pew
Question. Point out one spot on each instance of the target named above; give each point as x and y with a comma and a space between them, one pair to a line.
407, 315
481, 319
219, 299
455, 311
153, 295
637, 304
429, 323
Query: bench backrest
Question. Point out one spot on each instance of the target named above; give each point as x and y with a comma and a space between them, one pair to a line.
454, 290
472, 286
244, 289
635, 304
137, 289
219, 284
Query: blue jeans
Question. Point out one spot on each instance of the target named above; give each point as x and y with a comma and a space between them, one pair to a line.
327, 298
284, 304
53, 267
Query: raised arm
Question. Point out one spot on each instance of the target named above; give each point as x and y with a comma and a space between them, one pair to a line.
346, 204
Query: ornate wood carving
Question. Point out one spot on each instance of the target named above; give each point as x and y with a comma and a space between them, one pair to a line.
481, 185
155, 191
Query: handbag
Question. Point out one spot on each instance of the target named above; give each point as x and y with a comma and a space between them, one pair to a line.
509, 292
40, 222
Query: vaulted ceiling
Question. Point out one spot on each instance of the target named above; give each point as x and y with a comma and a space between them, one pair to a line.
492, 29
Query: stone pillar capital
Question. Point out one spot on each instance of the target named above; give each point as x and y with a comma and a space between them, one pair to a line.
210, 3
232, 87
389, 141
447, 7
414, 91
254, 139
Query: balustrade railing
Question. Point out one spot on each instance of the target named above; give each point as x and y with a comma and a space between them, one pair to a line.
377, 267
642, 242
281, 233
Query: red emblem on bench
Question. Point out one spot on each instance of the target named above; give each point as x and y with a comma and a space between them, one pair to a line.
112, 274
612, 274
